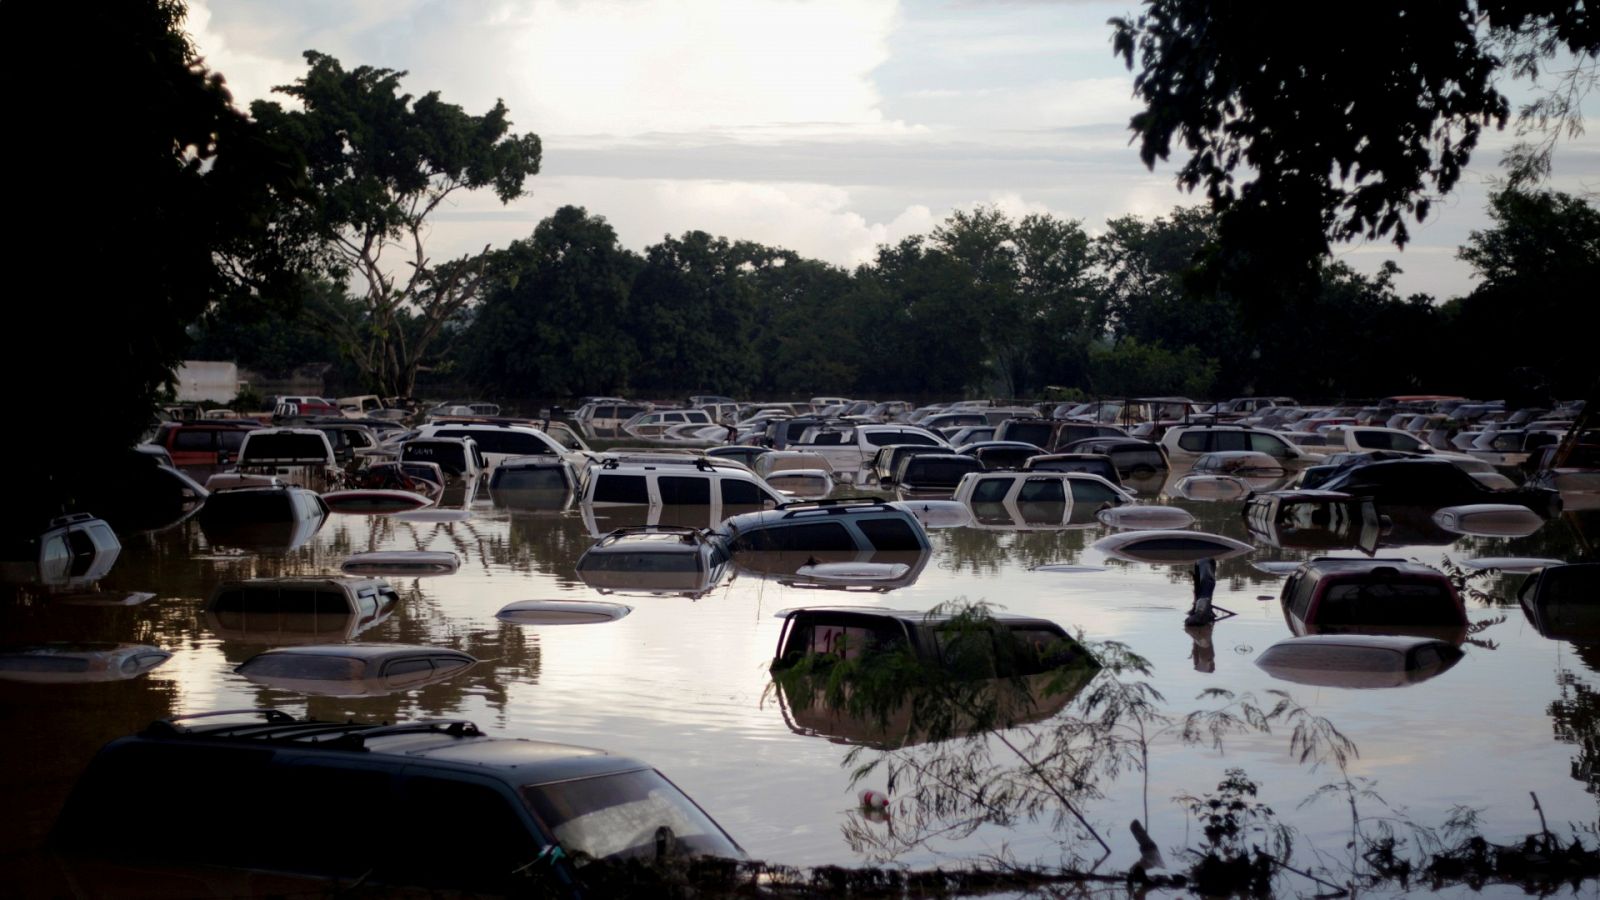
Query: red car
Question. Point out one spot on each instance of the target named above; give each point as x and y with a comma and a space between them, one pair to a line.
1372, 596
213, 443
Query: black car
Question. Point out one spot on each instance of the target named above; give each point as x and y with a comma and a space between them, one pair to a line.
1433, 482
431, 803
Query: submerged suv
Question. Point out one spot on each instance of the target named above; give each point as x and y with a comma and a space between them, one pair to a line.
433, 803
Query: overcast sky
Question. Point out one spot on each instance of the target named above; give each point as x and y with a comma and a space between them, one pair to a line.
824, 126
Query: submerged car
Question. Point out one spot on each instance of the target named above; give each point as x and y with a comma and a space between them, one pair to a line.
1433, 482
1372, 596
509, 815
812, 527
1563, 601
298, 610
1358, 660
354, 670
78, 663
655, 560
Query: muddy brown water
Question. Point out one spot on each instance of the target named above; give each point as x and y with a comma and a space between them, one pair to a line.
682, 681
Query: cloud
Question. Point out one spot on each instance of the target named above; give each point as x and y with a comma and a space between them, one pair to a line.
616, 67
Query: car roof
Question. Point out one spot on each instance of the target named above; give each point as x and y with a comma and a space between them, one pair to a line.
910, 616
364, 651
452, 743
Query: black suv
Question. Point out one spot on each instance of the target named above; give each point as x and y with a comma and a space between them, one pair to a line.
431, 803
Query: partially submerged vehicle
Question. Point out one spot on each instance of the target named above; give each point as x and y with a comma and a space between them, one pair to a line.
1358, 660
562, 612
1131, 457
1001, 454
458, 458
802, 484
1022, 645
495, 442
1313, 520
884, 463
401, 562
1051, 435
305, 610
354, 670
1373, 596
933, 474
1436, 483
299, 456
374, 501
655, 560
424, 479
828, 527
783, 460
1212, 487
673, 481
1489, 520
1091, 463
1248, 464
78, 663
1025, 501
1131, 517
1170, 547
1189, 442
533, 482
274, 517
1563, 601
652, 425
73, 551
519, 814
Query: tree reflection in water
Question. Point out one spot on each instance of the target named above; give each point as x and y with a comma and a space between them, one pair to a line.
980, 734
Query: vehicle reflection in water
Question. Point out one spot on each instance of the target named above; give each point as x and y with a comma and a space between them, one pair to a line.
1030, 701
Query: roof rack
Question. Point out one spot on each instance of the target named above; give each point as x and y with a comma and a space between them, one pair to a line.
452, 727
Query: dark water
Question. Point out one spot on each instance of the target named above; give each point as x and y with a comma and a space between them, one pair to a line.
682, 682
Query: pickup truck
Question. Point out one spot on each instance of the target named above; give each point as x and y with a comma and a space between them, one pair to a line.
849, 448
300, 456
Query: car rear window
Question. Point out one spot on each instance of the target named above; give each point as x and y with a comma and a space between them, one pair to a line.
1387, 603
808, 537
1036, 433
287, 446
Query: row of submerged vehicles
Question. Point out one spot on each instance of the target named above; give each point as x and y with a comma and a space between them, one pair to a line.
543, 811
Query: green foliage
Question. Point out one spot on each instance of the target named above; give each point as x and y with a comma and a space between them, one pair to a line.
381, 163
1538, 264
1132, 369
1347, 135
555, 322
693, 316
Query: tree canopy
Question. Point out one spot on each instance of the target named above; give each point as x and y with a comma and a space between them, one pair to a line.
139, 192
381, 162
1346, 125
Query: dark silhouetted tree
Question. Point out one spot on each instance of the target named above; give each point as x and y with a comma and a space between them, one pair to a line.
382, 162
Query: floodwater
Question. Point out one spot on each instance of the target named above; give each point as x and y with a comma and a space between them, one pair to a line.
682, 683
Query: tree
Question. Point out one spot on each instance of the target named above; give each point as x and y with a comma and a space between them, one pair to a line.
1346, 130
1527, 318
136, 179
693, 316
381, 164
554, 323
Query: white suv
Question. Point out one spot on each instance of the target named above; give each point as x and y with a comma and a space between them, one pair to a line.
1186, 443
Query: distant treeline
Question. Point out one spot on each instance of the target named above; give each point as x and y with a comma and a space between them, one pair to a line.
991, 304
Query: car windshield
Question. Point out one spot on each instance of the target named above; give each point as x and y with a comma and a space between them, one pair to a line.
631, 815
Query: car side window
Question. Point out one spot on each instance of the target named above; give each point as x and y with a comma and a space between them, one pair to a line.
1266, 443
681, 490
1194, 441
620, 489
741, 493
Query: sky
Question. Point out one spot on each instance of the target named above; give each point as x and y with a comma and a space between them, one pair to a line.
825, 126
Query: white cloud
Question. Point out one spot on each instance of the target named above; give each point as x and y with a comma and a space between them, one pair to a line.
616, 67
